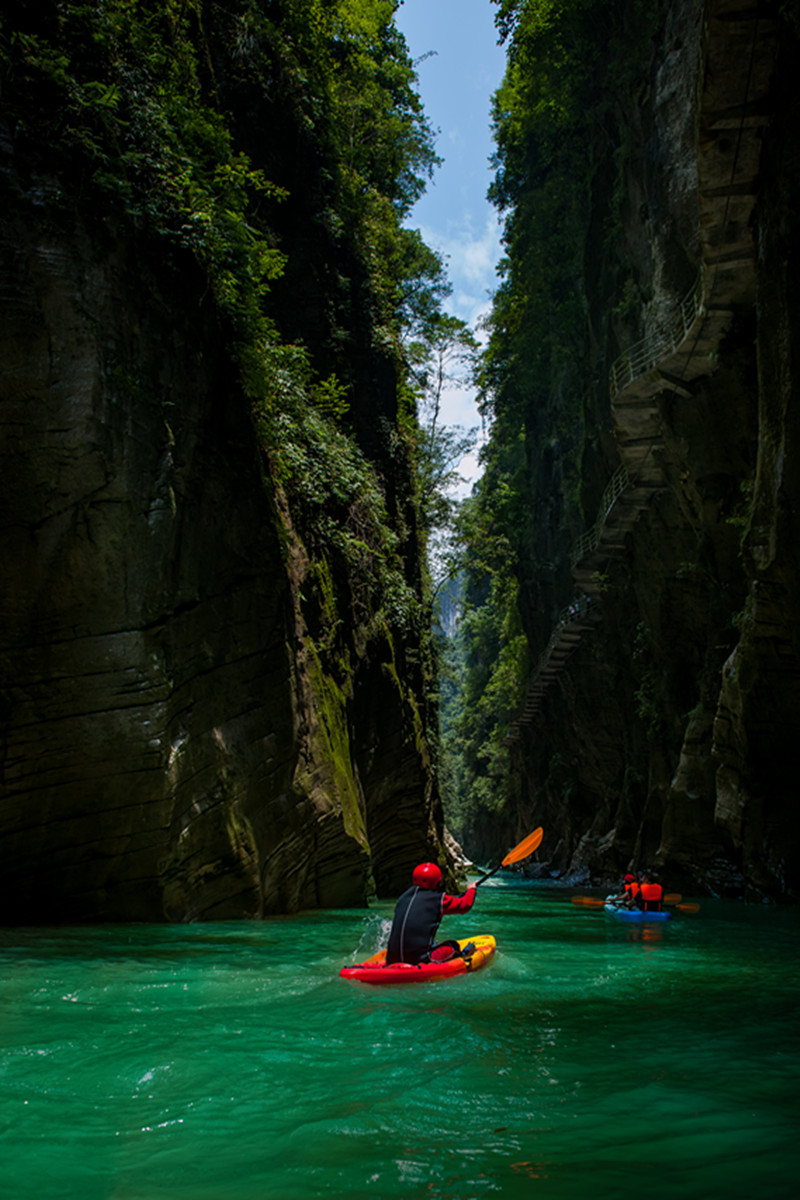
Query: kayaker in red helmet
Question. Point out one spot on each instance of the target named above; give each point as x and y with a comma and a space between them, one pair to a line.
628, 897
418, 912
633, 887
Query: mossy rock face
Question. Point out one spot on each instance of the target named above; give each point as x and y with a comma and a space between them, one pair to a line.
210, 530
153, 728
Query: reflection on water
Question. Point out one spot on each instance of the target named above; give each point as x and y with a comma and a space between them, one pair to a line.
230, 1062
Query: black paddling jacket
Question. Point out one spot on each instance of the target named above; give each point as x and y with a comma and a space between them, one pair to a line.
416, 919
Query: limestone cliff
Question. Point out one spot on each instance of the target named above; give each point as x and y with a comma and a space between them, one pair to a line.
202, 714
661, 709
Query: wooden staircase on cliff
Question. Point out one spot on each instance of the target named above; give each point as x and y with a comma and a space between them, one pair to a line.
740, 42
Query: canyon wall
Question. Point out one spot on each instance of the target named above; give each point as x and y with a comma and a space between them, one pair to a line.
661, 709
171, 746
199, 719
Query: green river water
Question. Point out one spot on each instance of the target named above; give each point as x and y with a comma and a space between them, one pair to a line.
230, 1061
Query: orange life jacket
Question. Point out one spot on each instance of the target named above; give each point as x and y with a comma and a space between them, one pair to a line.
652, 895
632, 889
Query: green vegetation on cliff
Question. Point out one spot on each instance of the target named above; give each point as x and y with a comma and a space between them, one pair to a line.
271, 150
153, 105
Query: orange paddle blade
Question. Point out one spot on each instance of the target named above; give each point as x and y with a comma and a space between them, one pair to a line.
688, 907
524, 848
590, 901
673, 898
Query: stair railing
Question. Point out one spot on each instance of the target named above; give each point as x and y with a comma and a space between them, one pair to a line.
665, 340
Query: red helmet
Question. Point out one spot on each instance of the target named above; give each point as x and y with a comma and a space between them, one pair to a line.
427, 875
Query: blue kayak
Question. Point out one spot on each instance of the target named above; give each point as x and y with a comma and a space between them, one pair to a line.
635, 914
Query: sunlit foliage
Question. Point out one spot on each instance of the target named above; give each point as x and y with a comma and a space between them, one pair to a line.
186, 118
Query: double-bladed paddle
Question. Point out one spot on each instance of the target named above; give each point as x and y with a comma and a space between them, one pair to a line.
525, 847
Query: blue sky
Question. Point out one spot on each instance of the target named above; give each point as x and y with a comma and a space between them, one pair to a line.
456, 84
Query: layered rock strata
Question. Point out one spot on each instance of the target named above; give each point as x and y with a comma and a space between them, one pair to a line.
666, 736
171, 746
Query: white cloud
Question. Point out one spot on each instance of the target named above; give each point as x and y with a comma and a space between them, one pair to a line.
458, 407
471, 258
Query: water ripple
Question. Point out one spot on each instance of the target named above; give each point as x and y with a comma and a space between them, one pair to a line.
230, 1062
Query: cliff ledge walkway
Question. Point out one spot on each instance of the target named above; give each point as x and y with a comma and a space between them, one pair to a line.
737, 63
